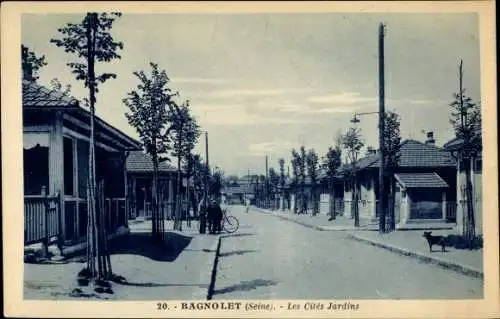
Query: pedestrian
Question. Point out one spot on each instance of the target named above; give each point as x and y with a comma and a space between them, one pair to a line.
214, 217
202, 209
247, 205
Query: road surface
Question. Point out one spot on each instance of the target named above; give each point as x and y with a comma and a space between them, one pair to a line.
272, 258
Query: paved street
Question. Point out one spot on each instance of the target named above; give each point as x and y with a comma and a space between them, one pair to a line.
271, 258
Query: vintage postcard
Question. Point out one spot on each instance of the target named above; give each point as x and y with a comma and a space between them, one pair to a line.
250, 159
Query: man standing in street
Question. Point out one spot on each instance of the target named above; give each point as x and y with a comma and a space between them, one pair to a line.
214, 217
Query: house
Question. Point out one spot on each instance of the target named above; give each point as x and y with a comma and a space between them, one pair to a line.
140, 181
56, 131
237, 193
475, 169
425, 182
331, 193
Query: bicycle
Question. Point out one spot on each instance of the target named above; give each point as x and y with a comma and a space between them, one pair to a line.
229, 223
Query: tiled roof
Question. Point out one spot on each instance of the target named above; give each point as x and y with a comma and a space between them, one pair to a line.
138, 161
412, 154
420, 180
35, 95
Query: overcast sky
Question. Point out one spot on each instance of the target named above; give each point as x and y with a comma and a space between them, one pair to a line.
262, 84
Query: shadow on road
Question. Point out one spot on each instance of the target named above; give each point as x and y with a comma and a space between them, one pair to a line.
237, 253
238, 235
142, 244
153, 284
246, 286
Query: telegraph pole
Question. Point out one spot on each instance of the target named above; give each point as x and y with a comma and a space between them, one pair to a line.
381, 176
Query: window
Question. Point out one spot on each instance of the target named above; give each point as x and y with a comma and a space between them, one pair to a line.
69, 188
36, 162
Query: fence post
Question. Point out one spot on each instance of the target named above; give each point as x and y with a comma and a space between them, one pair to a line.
45, 241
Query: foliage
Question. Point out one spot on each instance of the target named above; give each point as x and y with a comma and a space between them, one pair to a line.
295, 176
32, 61
274, 181
311, 160
56, 85
466, 121
150, 109
185, 131
392, 145
331, 163
91, 41
353, 144
95, 27
392, 139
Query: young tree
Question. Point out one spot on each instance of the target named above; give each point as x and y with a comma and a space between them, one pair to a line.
392, 141
185, 133
282, 182
295, 178
352, 143
31, 63
331, 162
466, 121
150, 106
91, 41
302, 181
274, 180
312, 171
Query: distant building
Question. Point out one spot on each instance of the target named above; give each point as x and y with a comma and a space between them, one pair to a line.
140, 182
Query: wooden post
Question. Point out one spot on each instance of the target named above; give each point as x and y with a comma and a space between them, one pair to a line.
125, 193
45, 242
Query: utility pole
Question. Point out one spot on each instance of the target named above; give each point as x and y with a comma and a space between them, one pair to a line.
381, 176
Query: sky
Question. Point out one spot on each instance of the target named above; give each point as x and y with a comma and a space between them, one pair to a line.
262, 84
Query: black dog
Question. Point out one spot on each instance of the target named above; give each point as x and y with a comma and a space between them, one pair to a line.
435, 240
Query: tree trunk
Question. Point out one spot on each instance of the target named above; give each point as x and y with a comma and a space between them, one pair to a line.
178, 222
355, 201
392, 199
154, 200
470, 228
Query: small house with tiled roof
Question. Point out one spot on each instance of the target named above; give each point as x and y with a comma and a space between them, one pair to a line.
425, 182
140, 180
56, 131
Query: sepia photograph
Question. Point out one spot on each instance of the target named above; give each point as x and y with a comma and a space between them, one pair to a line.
253, 163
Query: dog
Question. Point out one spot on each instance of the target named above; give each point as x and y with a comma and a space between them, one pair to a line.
435, 240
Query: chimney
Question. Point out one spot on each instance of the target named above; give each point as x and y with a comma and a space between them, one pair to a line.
370, 151
26, 66
430, 138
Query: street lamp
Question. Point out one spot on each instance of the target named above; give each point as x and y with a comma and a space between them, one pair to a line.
355, 117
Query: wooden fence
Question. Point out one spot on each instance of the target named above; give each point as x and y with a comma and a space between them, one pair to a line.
451, 211
42, 218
